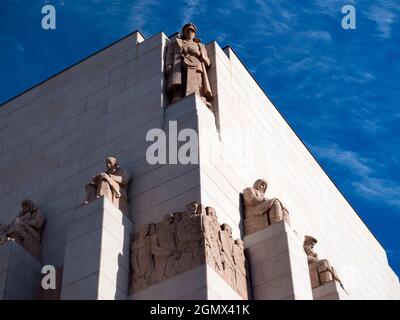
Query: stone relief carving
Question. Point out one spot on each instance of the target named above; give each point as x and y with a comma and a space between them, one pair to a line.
259, 211
184, 240
111, 184
321, 270
186, 62
25, 229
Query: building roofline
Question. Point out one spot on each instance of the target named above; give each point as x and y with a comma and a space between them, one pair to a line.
71, 66
294, 131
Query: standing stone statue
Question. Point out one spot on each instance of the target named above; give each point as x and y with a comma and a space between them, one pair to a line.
259, 211
321, 271
164, 249
25, 229
141, 258
186, 63
190, 238
225, 236
111, 184
211, 227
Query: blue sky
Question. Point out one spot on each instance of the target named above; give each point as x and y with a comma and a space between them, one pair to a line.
339, 89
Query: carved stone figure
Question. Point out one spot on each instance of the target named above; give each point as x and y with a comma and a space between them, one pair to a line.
164, 249
141, 257
259, 211
111, 184
184, 240
190, 238
227, 242
321, 271
239, 261
186, 62
211, 227
25, 229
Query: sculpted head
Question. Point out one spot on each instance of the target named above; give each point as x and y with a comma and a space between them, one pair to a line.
194, 207
210, 211
144, 231
261, 185
169, 218
189, 31
227, 228
111, 163
27, 205
239, 243
152, 228
310, 241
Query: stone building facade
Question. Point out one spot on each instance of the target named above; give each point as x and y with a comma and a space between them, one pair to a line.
55, 137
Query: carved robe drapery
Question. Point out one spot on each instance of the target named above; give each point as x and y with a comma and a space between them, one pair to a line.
188, 73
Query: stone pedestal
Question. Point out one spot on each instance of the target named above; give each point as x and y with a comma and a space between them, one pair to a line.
278, 264
96, 263
20, 273
330, 291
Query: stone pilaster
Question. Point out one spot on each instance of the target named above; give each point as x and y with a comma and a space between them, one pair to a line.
278, 264
96, 263
20, 273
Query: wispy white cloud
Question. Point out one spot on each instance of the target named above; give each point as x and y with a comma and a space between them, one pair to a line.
322, 64
379, 189
384, 19
358, 77
363, 176
141, 13
190, 10
318, 35
353, 161
332, 7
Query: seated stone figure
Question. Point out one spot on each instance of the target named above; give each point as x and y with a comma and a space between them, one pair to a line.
321, 271
111, 184
25, 228
259, 211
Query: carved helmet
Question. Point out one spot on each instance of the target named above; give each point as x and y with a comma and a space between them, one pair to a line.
189, 25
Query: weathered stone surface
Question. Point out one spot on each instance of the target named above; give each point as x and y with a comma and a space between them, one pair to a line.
96, 262
259, 211
20, 275
25, 229
111, 184
278, 264
321, 271
184, 240
186, 62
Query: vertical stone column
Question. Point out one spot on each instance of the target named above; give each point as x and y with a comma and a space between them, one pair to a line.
20, 273
278, 264
96, 263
